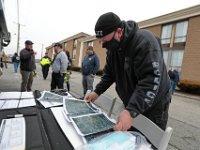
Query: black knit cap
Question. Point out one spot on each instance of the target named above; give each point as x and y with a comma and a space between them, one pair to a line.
106, 24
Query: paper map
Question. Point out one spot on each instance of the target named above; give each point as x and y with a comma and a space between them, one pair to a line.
90, 124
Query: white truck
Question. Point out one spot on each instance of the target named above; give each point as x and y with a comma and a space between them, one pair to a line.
4, 34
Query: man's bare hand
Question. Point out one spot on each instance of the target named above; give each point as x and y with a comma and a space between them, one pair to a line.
91, 97
124, 121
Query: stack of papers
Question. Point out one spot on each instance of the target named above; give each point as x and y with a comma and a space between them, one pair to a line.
49, 99
12, 134
75, 107
9, 100
88, 120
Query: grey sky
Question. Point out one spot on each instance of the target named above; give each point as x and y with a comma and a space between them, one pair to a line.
48, 21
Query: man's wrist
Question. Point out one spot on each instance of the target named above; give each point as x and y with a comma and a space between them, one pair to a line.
133, 113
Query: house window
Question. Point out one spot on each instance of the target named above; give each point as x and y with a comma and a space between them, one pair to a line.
177, 58
166, 34
65, 45
75, 44
181, 31
73, 53
165, 56
74, 49
90, 43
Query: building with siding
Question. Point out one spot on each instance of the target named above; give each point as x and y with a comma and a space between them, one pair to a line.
180, 37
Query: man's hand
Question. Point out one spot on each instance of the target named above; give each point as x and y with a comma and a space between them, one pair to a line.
91, 97
124, 121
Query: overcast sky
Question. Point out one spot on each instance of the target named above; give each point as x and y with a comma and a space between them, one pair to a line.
48, 21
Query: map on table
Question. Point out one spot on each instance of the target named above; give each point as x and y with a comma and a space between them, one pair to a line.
73, 107
49, 99
93, 123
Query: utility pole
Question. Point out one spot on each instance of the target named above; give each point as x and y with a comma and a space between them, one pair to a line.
42, 50
18, 27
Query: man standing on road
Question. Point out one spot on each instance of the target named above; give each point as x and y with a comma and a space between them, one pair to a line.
16, 61
90, 66
45, 63
27, 66
59, 67
135, 63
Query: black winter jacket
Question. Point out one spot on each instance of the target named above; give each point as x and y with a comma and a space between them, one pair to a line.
138, 70
27, 58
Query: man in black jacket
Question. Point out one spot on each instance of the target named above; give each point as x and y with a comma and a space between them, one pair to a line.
135, 63
27, 66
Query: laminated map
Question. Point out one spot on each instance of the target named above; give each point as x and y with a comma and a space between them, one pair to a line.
75, 107
49, 99
92, 123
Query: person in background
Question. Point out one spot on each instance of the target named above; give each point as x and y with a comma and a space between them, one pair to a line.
69, 72
45, 63
135, 64
59, 67
1, 61
4, 59
27, 66
176, 79
67, 77
16, 61
90, 66
171, 76
69, 59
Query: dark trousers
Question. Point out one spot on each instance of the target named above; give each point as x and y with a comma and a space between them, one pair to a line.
87, 82
45, 71
68, 85
27, 80
57, 81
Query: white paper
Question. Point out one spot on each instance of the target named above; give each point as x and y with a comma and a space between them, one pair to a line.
67, 127
10, 95
9, 104
27, 95
27, 103
12, 134
2, 102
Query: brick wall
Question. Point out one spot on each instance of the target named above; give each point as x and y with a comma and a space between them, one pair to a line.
70, 46
101, 53
76, 61
191, 60
155, 29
